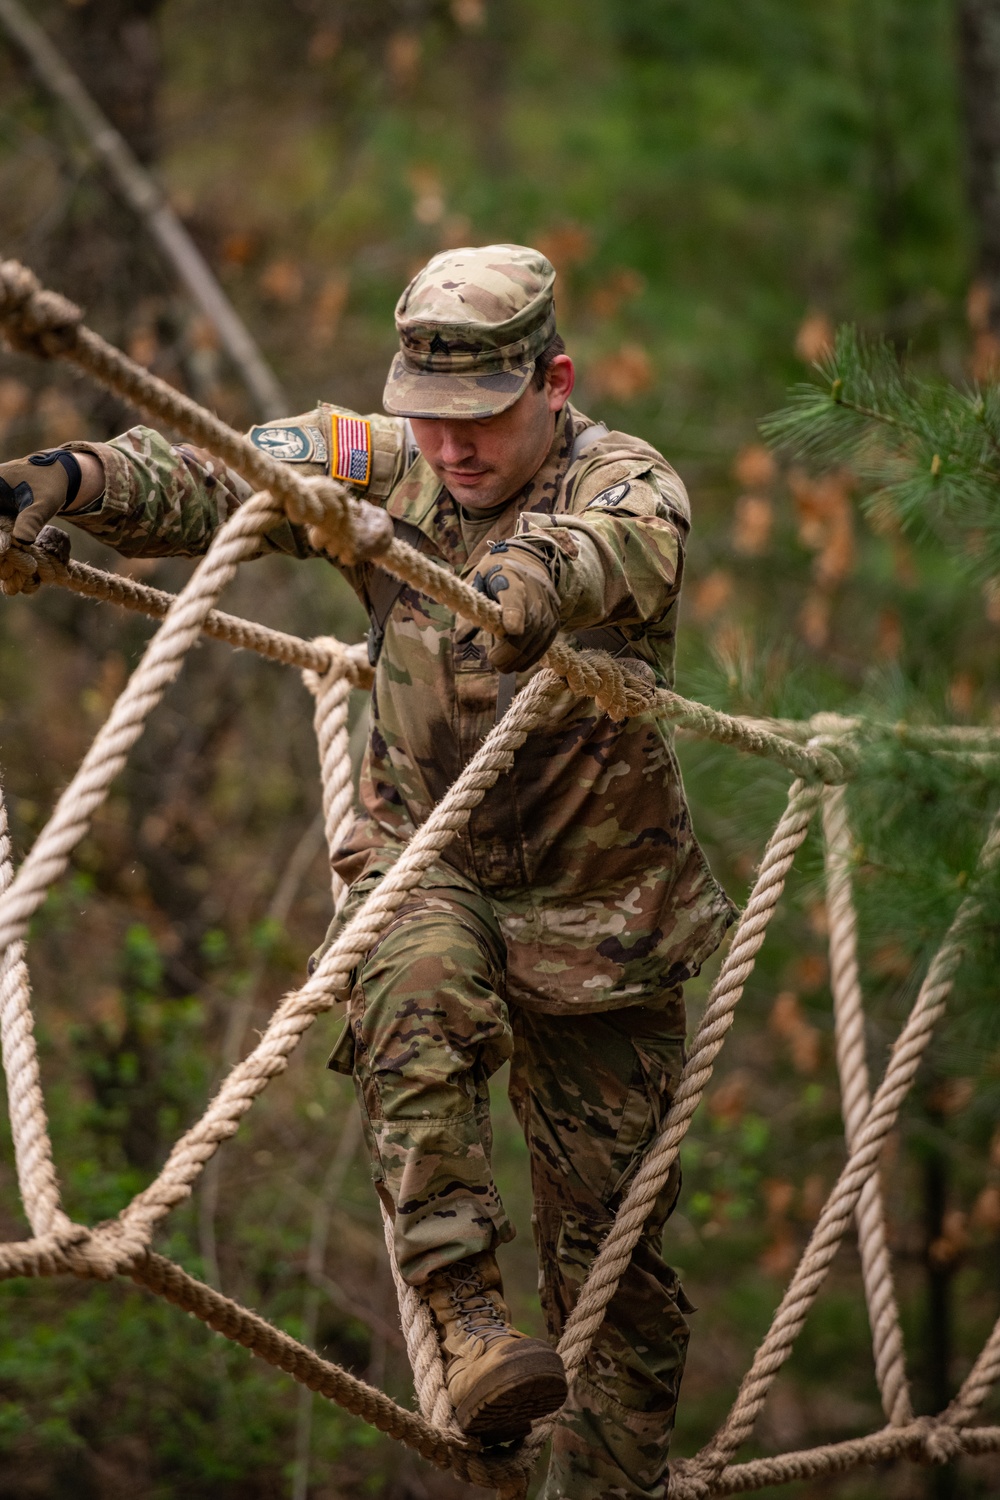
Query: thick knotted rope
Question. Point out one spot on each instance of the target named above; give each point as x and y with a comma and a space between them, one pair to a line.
852, 1066
819, 751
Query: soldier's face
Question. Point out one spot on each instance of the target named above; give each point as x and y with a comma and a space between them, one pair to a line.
485, 462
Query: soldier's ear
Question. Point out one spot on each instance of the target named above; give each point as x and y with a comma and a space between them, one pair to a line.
560, 378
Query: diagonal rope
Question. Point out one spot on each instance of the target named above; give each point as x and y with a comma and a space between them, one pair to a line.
616, 1251
840, 1206
852, 1067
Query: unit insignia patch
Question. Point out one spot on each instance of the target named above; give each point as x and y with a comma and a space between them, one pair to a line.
291, 445
608, 499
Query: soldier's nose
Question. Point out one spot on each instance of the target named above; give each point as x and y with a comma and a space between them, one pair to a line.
456, 447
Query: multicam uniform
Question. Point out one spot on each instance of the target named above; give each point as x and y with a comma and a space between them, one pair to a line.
556, 931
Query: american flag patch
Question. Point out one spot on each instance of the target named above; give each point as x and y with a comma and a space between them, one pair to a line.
350, 449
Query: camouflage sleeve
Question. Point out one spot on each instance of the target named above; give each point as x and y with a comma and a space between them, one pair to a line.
618, 560
161, 500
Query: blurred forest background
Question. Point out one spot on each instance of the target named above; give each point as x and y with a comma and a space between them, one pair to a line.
719, 186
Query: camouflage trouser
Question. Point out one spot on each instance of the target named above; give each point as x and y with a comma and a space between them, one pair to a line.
427, 1026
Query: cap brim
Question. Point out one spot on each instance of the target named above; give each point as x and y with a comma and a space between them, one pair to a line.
432, 393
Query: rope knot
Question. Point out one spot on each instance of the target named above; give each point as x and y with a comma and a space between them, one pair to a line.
18, 565
620, 688
352, 531
937, 1441
35, 320
687, 1481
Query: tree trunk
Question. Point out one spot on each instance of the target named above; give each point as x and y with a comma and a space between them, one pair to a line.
979, 70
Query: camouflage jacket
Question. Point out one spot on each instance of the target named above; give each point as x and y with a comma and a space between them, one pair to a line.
585, 848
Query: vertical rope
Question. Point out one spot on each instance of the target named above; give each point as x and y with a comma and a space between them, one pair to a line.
852, 1066
332, 692
36, 1173
840, 1206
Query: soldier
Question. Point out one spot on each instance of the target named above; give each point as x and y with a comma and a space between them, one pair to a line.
557, 931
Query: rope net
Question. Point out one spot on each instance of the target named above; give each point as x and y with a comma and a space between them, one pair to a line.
821, 753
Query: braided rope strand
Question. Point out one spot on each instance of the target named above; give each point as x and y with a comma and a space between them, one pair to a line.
852, 1067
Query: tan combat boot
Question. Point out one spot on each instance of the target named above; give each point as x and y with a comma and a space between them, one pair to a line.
499, 1380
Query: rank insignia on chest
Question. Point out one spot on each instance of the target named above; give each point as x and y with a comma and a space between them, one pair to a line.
350, 449
290, 444
608, 499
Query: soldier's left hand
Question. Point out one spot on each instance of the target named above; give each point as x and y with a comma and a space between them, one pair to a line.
34, 490
529, 610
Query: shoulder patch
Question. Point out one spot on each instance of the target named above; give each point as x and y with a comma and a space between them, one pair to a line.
290, 444
351, 449
609, 498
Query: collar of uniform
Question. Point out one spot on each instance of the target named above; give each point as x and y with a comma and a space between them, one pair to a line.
422, 500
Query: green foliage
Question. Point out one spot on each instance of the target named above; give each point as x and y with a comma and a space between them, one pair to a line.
927, 451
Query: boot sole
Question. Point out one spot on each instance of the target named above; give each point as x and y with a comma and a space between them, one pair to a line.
506, 1402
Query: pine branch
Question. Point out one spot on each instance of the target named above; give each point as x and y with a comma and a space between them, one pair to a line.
926, 451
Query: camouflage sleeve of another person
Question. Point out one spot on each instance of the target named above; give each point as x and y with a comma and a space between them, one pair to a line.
162, 500
618, 558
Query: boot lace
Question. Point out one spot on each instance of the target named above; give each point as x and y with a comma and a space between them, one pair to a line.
475, 1311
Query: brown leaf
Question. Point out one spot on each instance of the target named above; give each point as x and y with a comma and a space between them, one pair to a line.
469, 15
778, 1194
728, 1100
991, 596
781, 1254
814, 339
952, 1241
814, 619
962, 694
711, 594
623, 375
619, 286
328, 310
986, 1209
978, 304
753, 518
891, 962
282, 280
889, 641
324, 44
951, 1095
565, 245
804, 1040
60, 419
15, 400
754, 467
238, 248
813, 1197
402, 57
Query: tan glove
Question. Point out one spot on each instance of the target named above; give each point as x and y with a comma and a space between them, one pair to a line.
35, 489
529, 607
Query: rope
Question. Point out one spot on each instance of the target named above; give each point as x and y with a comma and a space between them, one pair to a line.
852, 1066
923, 1440
36, 1174
840, 1205
822, 755
616, 1251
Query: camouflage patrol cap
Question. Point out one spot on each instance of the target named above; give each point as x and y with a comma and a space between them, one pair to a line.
471, 325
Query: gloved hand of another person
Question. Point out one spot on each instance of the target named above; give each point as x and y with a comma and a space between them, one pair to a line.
529, 608
34, 490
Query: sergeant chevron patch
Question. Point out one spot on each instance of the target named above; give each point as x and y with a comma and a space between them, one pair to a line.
350, 449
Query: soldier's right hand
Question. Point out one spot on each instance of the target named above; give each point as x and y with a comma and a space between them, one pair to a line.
33, 490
